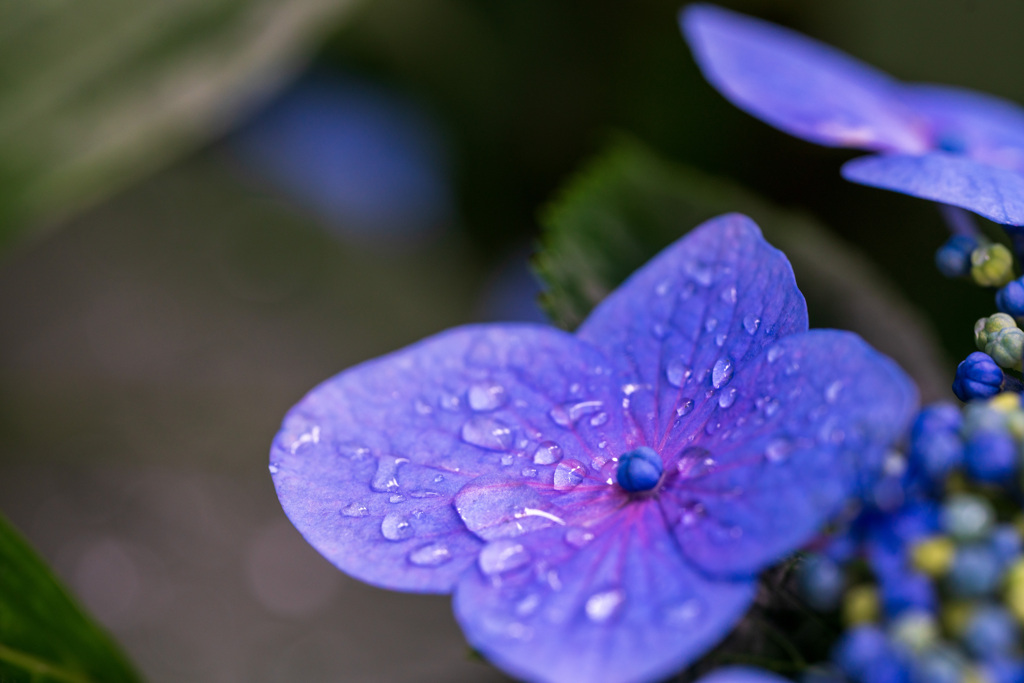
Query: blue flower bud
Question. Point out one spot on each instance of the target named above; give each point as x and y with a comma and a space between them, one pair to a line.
1003, 670
821, 582
990, 456
935, 443
1006, 347
991, 632
977, 376
1006, 543
639, 470
953, 259
1010, 299
975, 572
938, 664
985, 328
859, 648
908, 591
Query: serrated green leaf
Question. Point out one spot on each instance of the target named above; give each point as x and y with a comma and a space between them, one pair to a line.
93, 95
44, 636
628, 204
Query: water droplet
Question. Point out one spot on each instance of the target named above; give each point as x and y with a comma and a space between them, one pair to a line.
487, 433
729, 295
450, 402
683, 613
396, 498
569, 415
273, 468
547, 453
433, 555
676, 372
355, 510
438, 479
659, 331
774, 353
768, 405
499, 507
687, 291
504, 555
712, 426
569, 474
778, 450
692, 514
485, 397
422, 407
750, 323
685, 408
602, 606
396, 527
792, 368
710, 324
727, 398
832, 392
528, 605
577, 537
720, 340
599, 419
507, 460
662, 288
386, 476
721, 373
702, 273
529, 472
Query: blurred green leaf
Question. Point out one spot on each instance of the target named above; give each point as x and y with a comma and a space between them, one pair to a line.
92, 95
628, 204
44, 636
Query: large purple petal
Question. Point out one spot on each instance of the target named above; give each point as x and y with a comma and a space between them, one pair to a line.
801, 86
678, 327
985, 128
368, 465
614, 601
810, 422
739, 674
995, 193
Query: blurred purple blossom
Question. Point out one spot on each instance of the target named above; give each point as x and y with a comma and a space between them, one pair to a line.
367, 160
600, 503
946, 144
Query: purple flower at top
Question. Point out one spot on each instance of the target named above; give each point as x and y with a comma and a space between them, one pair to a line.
600, 503
946, 144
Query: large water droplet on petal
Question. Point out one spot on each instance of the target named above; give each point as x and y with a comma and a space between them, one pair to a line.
750, 323
484, 397
396, 527
547, 453
721, 374
487, 433
569, 414
504, 555
569, 474
500, 508
685, 408
602, 606
386, 476
676, 372
432, 555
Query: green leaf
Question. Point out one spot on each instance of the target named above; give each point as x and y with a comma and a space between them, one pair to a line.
44, 636
93, 95
628, 204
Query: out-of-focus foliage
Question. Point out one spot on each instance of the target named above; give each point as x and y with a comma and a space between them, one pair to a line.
94, 94
627, 204
44, 636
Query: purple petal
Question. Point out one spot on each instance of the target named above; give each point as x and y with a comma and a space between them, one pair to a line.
677, 329
613, 601
368, 465
995, 193
738, 674
985, 128
811, 422
803, 87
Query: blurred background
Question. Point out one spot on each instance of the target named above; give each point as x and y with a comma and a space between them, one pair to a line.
206, 208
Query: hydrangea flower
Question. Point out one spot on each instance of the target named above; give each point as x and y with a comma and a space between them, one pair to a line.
600, 503
946, 144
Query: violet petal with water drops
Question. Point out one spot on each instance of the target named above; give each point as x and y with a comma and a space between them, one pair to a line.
484, 460
945, 144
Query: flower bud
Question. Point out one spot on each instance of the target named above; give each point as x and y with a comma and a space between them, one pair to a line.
1006, 347
1010, 299
987, 327
991, 265
977, 376
953, 259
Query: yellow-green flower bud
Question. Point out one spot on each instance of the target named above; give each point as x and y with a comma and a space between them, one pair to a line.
986, 327
992, 265
1006, 347
861, 605
933, 556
